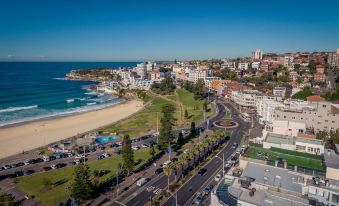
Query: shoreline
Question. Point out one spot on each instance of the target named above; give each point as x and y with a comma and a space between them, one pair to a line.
38, 133
15, 124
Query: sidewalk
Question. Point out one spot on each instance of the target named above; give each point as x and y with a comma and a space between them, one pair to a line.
8, 186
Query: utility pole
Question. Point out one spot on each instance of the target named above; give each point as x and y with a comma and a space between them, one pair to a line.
223, 165
176, 192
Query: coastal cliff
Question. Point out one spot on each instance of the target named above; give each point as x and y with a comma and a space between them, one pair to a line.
96, 74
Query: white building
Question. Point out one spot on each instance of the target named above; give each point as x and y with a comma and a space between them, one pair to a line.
195, 75
243, 66
255, 65
227, 64
299, 144
265, 109
279, 92
288, 61
257, 54
248, 98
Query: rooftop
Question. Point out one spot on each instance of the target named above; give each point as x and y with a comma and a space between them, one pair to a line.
274, 177
315, 98
289, 124
331, 158
285, 139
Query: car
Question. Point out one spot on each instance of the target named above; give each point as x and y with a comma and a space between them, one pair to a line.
27, 162
118, 152
199, 199
60, 165
167, 162
234, 145
114, 145
18, 173
119, 143
207, 189
217, 178
202, 171
19, 164
53, 166
6, 167
135, 147
79, 156
28, 172
46, 168
38, 160
158, 170
144, 145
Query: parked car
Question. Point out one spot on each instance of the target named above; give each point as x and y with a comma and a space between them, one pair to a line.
60, 165
6, 167
144, 145
217, 178
202, 171
199, 199
28, 172
135, 147
207, 189
27, 162
46, 168
53, 166
158, 170
38, 160
46, 158
18, 173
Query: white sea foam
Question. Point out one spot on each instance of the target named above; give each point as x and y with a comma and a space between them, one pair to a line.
71, 111
92, 103
91, 93
13, 109
69, 100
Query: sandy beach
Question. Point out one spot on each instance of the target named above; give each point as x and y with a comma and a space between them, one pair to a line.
14, 139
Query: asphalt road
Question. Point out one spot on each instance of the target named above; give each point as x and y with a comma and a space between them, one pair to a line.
185, 195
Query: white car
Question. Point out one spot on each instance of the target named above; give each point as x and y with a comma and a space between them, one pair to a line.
135, 148
217, 178
53, 166
144, 145
79, 156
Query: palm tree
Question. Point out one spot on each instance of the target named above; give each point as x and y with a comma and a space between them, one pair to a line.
168, 171
182, 161
190, 157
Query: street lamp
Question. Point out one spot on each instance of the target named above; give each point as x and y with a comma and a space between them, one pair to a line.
223, 164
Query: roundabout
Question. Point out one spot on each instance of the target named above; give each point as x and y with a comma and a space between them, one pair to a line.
225, 124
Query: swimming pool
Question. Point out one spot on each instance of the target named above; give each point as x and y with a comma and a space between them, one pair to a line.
105, 139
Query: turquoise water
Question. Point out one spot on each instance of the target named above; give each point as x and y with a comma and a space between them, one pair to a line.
34, 90
105, 139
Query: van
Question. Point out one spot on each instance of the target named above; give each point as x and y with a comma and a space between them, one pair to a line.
141, 182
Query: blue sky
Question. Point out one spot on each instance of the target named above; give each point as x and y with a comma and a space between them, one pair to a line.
163, 30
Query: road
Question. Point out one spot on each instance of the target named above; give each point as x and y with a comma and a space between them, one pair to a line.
185, 195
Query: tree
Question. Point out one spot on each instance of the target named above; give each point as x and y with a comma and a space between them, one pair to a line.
199, 89
127, 154
166, 86
306, 92
193, 130
205, 105
167, 122
8, 200
121, 92
82, 187
186, 114
180, 138
152, 151
168, 171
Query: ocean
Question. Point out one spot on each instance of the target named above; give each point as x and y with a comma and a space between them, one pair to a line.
34, 90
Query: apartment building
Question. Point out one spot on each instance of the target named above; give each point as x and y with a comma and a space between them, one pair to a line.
243, 66
257, 54
265, 110
195, 75
279, 92
333, 59
248, 98
318, 116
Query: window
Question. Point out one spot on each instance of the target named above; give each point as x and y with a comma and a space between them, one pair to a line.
324, 106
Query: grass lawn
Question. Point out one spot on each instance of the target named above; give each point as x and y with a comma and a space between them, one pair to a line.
142, 123
194, 107
257, 152
145, 122
61, 179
